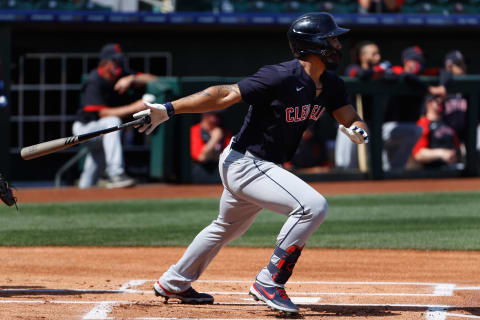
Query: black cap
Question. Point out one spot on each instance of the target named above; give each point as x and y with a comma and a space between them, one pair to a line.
455, 57
413, 53
112, 51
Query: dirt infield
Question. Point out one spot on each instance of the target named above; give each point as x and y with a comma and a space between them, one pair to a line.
101, 283
115, 283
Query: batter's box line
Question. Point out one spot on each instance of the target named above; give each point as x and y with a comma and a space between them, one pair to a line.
440, 289
386, 283
392, 283
102, 309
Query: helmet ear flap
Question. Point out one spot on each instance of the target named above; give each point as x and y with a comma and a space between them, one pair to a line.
320, 47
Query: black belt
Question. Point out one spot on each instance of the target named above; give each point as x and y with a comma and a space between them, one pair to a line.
240, 150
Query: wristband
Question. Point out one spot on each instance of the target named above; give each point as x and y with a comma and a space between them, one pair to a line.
170, 110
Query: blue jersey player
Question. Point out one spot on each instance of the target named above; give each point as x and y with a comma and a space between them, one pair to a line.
284, 100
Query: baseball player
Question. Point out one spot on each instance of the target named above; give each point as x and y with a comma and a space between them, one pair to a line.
284, 100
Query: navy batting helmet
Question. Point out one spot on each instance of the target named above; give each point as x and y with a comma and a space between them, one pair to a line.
309, 34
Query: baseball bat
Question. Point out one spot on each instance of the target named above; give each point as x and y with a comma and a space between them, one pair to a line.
47, 147
362, 148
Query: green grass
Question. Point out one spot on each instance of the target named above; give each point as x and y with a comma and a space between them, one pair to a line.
417, 221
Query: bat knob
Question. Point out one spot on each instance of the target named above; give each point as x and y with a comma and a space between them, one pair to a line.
147, 119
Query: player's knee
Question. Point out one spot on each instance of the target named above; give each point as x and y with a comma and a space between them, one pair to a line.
318, 208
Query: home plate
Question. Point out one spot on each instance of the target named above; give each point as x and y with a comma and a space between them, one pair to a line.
299, 300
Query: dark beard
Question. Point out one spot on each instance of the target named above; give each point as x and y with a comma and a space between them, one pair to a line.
331, 58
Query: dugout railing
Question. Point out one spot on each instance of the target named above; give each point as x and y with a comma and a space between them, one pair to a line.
170, 156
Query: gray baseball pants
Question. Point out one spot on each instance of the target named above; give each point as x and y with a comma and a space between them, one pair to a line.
250, 184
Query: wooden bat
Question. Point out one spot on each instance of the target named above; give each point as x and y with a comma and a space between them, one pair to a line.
52, 146
362, 148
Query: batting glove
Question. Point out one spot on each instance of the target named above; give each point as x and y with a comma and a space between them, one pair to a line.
158, 114
356, 134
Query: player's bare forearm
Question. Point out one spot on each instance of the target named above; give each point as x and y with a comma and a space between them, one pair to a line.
143, 78
348, 117
361, 124
427, 155
122, 111
210, 99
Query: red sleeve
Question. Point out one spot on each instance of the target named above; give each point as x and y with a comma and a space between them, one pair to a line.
196, 142
423, 141
397, 69
352, 71
431, 72
228, 137
456, 140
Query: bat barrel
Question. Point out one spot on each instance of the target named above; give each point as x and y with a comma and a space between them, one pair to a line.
48, 147
52, 146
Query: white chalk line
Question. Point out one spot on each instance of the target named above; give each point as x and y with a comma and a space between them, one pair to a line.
462, 315
338, 282
444, 290
102, 309
130, 284
293, 293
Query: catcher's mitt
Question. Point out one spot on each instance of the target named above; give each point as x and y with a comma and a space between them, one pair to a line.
6, 193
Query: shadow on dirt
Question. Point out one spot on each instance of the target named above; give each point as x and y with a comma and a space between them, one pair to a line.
14, 291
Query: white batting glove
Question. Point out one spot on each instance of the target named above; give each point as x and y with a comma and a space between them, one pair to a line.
356, 134
158, 114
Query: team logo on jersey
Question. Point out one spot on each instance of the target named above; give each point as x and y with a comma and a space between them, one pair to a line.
297, 114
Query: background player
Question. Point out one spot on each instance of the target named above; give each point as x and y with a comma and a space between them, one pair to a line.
105, 101
284, 99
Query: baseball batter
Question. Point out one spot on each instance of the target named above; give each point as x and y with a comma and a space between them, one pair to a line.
284, 100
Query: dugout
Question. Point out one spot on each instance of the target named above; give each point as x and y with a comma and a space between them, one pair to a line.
225, 50
162, 167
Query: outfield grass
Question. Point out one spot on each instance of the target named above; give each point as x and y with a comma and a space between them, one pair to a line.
409, 221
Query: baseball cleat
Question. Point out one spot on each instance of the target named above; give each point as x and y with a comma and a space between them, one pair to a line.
275, 297
189, 296
120, 181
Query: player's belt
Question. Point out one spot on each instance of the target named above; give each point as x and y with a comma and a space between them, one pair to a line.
245, 152
240, 150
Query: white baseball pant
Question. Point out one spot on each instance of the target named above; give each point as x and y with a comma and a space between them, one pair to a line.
105, 152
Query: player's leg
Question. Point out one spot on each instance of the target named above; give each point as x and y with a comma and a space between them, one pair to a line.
346, 155
235, 218
399, 139
93, 168
94, 164
112, 146
276, 189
